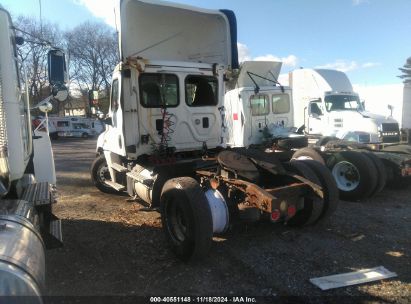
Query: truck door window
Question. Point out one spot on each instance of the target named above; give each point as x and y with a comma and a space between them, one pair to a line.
201, 91
281, 104
158, 90
114, 96
315, 109
259, 104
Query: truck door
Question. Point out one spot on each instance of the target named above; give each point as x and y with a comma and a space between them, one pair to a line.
179, 111
115, 141
281, 110
314, 119
259, 110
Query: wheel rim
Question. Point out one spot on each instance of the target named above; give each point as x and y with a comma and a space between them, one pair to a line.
176, 222
346, 176
103, 173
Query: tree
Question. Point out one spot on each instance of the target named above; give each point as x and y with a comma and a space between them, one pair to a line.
406, 70
33, 53
93, 54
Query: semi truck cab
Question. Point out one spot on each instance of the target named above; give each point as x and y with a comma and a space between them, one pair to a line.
326, 105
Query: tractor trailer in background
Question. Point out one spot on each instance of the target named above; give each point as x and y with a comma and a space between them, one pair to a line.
166, 134
27, 177
263, 114
326, 105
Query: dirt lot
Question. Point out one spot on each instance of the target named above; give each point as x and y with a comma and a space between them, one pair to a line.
113, 248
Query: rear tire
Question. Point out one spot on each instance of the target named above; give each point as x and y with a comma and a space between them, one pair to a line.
324, 140
308, 153
186, 218
331, 197
382, 172
313, 205
293, 142
354, 173
100, 173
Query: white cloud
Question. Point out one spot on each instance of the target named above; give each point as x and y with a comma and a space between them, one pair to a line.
359, 2
370, 64
244, 54
290, 60
347, 66
103, 9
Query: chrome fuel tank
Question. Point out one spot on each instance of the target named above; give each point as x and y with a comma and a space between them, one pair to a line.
22, 251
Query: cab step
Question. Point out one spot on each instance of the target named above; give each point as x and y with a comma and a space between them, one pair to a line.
53, 236
40, 194
140, 178
119, 168
118, 187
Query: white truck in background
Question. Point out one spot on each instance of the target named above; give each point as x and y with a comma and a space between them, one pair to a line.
72, 126
165, 135
27, 224
260, 114
326, 105
257, 106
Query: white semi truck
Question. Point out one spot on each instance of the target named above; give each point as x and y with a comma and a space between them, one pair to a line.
165, 139
262, 113
325, 104
27, 224
257, 107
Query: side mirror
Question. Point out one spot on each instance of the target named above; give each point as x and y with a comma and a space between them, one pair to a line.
60, 92
108, 121
57, 69
391, 108
46, 107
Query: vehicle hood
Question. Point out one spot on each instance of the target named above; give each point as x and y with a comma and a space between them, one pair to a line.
357, 121
158, 30
266, 69
377, 117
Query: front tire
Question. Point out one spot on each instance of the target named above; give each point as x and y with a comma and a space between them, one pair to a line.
100, 173
186, 218
354, 173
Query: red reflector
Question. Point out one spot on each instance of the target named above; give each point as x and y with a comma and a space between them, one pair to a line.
235, 116
275, 215
291, 211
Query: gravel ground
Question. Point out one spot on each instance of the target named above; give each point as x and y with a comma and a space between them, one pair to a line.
113, 248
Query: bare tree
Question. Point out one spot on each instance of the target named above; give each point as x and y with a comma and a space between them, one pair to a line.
38, 39
93, 55
406, 70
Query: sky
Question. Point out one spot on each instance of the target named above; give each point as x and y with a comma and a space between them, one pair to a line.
367, 39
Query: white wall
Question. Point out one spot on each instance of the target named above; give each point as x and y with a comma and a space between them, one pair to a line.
377, 99
406, 114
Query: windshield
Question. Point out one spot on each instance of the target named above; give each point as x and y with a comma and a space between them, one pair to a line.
342, 102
